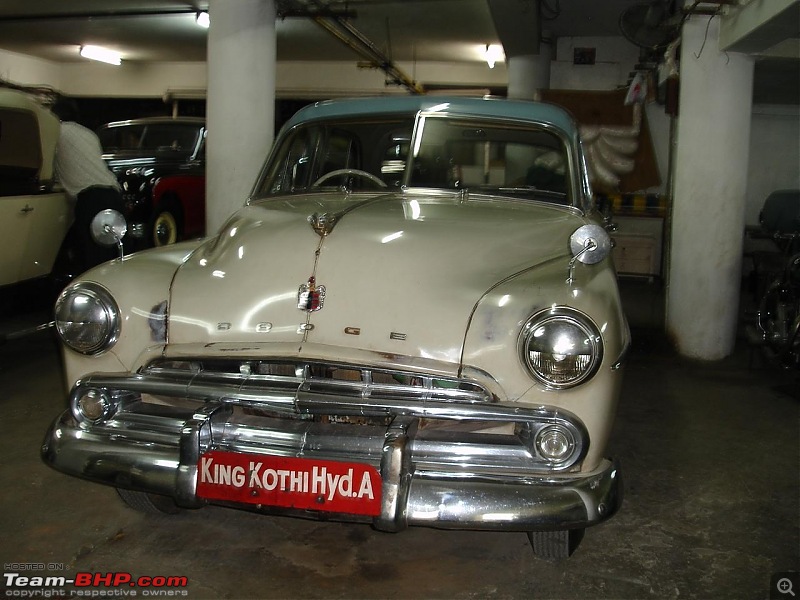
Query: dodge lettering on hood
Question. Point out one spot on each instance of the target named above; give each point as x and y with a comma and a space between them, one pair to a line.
413, 320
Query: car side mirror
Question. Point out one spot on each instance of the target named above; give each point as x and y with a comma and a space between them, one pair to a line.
108, 228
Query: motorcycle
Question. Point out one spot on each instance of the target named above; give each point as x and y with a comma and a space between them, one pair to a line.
777, 320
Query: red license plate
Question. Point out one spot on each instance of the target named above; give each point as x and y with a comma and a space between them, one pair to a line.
349, 488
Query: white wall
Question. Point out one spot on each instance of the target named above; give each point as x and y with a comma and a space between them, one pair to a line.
614, 60
295, 79
25, 70
774, 155
131, 79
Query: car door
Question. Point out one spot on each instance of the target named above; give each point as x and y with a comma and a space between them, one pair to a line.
14, 226
48, 217
33, 218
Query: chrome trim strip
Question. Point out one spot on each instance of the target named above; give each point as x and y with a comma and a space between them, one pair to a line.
243, 375
623, 356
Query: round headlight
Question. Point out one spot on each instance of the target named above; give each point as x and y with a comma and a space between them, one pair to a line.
87, 318
561, 347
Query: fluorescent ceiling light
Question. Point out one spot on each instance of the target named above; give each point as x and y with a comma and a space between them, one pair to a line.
493, 54
102, 54
203, 19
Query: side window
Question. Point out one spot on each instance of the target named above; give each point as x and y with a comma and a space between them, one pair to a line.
341, 150
124, 137
170, 137
20, 152
294, 170
395, 156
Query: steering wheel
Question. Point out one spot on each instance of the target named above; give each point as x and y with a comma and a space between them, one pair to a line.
358, 172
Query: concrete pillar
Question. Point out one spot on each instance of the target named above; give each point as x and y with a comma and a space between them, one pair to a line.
240, 110
710, 179
518, 25
528, 73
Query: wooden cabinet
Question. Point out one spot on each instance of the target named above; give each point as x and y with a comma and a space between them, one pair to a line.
638, 244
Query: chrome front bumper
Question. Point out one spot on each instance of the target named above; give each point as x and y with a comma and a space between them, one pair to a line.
440, 479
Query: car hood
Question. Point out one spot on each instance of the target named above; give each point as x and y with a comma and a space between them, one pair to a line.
401, 273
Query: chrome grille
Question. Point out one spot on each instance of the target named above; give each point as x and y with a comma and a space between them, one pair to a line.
318, 379
331, 411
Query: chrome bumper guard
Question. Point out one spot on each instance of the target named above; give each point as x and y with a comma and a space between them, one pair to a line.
434, 478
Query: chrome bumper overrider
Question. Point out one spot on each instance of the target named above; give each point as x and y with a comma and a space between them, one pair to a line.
430, 477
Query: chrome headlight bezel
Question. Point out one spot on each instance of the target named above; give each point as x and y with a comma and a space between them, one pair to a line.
578, 338
81, 308
92, 406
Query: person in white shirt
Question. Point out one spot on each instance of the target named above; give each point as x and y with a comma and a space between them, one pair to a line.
86, 178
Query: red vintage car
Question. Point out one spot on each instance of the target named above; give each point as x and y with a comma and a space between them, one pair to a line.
160, 164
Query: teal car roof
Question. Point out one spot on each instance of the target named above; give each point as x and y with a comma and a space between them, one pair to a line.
518, 110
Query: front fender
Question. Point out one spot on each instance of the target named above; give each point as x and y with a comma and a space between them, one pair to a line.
140, 284
493, 338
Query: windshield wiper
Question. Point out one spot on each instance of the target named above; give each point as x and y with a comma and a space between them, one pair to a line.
529, 190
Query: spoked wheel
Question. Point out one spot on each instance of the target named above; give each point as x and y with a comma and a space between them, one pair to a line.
152, 504
555, 545
778, 320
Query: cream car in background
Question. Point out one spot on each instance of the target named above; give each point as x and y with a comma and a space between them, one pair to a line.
414, 321
34, 215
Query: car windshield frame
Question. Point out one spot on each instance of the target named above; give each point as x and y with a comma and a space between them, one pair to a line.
279, 174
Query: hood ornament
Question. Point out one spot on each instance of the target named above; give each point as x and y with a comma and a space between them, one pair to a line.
310, 296
323, 223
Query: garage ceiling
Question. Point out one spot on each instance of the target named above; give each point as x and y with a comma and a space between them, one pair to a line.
405, 30
423, 30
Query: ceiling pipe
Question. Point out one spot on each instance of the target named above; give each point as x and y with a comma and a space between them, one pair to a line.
333, 21
350, 36
337, 24
102, 14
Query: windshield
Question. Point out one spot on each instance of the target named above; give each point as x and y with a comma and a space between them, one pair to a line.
364, 154
152, 137
481, 155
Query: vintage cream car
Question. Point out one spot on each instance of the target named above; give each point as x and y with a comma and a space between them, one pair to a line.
35, 214
414, 320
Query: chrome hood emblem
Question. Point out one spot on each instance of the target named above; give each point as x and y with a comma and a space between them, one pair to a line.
310, 296
323, 223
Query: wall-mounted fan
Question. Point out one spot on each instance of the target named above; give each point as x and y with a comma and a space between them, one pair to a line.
650, 25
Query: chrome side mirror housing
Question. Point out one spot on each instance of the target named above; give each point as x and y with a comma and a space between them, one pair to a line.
108, 228
588, 244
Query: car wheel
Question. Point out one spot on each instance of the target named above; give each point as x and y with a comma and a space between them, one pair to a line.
165, 228
152, 504
555, 545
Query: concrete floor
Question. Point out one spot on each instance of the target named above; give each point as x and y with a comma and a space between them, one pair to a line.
710, 453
